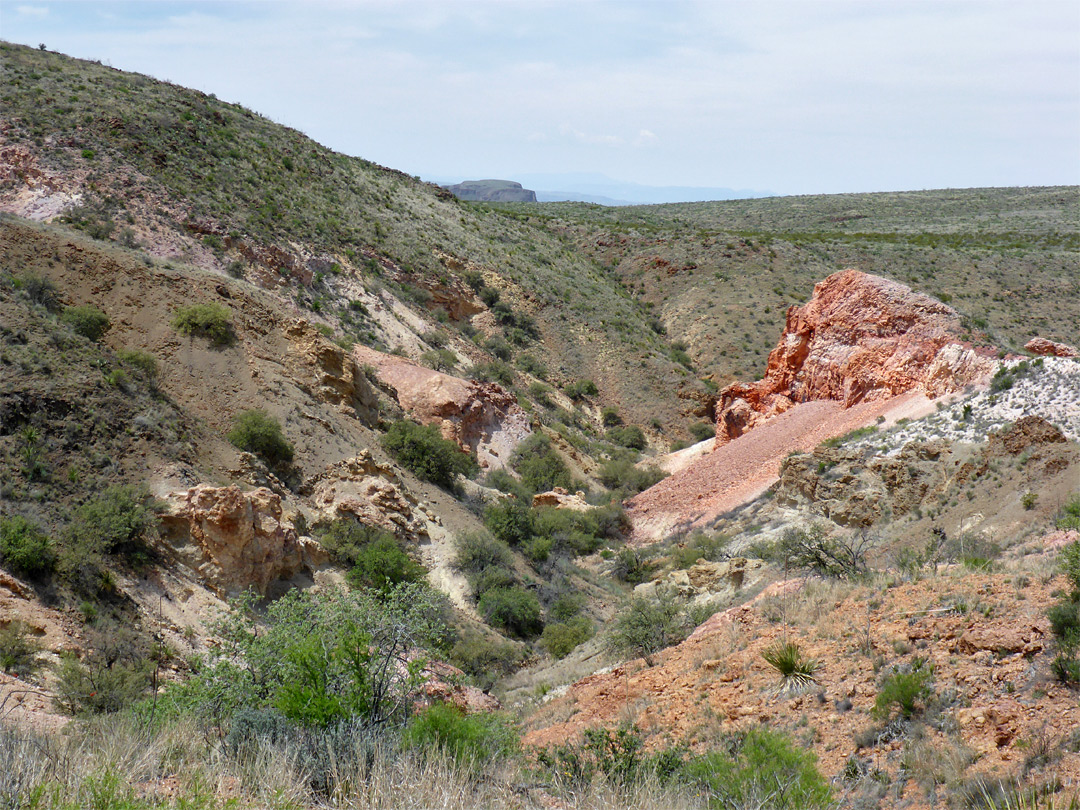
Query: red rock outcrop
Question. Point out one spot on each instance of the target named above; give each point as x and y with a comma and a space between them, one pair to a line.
860, 337
236, 540
1049, 348
481, 417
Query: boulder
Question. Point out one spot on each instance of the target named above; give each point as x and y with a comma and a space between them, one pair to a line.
480, 417
1049, 348
559, 498
373, 494
236, 540
860, 337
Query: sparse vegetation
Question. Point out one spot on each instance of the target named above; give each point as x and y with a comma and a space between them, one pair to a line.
424, 452
88, 321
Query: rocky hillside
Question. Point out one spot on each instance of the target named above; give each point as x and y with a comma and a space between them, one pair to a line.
319, 485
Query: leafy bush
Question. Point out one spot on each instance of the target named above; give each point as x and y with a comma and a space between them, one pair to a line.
580, 389
41, 291
24, 548
469, 739
509, 520
210, 321
560, 639
628, 436
903, 690
322, 659
540, 467
144, 362
623, 474
486, 659
514, 609
423, 451
567, 605
87, 321
115, 523
258, 432
609, 416
576, 532
702, 431
376, 557
614, 753
494, 577
18, 652
530, 365
501, 480
84, 688
499, 348
630, 567
760, 768
1064, 618
1069, 515
478, 551
815, 551
644, 626
700, 546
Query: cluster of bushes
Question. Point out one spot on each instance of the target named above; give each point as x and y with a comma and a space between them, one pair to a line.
541, 532
752, 768
423, 451
501, 600
620, 473
375, 557
540, 467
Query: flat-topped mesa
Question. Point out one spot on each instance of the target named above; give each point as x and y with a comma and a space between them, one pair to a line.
860, 337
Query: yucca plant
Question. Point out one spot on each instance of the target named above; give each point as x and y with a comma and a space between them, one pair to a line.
796, 672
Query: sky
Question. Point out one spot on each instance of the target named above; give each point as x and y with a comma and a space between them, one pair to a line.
793, 97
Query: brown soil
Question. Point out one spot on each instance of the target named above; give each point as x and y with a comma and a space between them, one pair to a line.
986, 636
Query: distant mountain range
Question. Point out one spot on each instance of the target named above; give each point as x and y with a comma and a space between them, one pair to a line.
603, 190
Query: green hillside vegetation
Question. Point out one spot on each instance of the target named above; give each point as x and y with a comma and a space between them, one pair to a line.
721, 275
166, 158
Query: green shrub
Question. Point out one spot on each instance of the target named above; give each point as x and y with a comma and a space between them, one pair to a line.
475, 552
258, 432
630, 567
439, 360
644, 626
702, 431
375, 556
18, 652
624, 475
567, 605
616, 754
514, 609
486, 659
210, 321
383, 563
41, 291
143, 362
1069, 561
1069, 515
560, 639
903, 690
509, 520
540, 467
24, 548
82, 689
501, 480
1029, 500
760, 768
499, 348
700, 546
87, 321
494, 577
424, 452
628, 436
495, 371
580, 389
530, 365
471, 740
609, 416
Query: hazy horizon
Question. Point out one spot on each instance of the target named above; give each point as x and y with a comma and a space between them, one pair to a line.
786, 98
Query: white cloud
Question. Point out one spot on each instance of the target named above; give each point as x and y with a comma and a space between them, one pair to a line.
32, 11
646, 138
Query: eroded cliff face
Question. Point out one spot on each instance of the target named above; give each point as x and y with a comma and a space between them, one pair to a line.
1050, 348
237, 540
860, 337
480, 417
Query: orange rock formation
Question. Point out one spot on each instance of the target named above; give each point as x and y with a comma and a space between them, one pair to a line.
860, 337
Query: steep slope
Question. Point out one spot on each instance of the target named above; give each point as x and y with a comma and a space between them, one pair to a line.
187, 177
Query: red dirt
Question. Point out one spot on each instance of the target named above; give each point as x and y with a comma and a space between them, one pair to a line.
737, 472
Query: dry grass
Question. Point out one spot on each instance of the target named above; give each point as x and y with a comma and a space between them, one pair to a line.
111, 763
